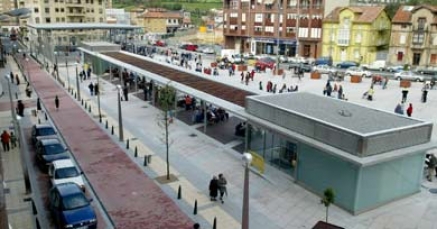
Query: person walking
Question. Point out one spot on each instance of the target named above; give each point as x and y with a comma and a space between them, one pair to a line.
404, 95
125, 93
410, 110
431, 162
222, 186
17, 79
20, 108
38, 105
57, 103
5, 138
213, 188
424, 93
91, 88
96, 89
13, 140
12, 77
340, 92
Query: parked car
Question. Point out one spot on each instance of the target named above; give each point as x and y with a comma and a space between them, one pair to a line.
395, 68
188, 47
265, 62
237, 59
324, 69
324, 60
208, 50
283, 59
357, 71
409, 75
379, 65
347, 64
428, 72
42, 130
70, 208
65, 171
49, 150
160, 43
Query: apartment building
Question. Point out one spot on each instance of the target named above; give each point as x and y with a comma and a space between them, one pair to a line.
357, 33
414, 36
7, 5
160, 21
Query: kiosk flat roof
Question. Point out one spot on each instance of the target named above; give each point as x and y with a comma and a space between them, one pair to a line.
59, 26
336, 112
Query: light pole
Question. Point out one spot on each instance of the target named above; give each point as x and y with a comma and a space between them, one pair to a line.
56, 64
77, 83
120, 119
43, 56
247, 159
68, 75
27, 69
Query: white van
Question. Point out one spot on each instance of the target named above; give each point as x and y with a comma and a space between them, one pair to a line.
379, 65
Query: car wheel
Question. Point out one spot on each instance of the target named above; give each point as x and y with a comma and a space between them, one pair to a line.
418, 80
348, 74
398, 78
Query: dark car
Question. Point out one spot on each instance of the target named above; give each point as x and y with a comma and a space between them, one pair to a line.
48, 150
70, 207
347, 64
324, 60
265, 62
42, 130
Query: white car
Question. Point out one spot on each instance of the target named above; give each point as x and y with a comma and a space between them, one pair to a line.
64, 171
408, 75
208, 50
324, 69
357, 71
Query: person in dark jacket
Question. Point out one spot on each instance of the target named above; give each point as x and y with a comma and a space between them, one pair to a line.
57, 103
213, 188
20, 108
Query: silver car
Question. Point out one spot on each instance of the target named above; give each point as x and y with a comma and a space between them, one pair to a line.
409, 75
324, 69
358, 71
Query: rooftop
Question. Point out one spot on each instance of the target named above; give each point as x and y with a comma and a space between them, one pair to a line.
52, 26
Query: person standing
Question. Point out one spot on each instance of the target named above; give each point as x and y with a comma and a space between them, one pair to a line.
410, 110
13, 140
340, 92
38, 105
404, 95
424, 94
5, 138
17, 79
57, 103
213, 188
125, 93
20, 108
96, 89
12, 77
261, 85
222, 186
91, 87
431, 162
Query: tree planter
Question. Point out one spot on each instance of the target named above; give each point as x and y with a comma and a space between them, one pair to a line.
405, 84
315, 75
242, 68
324, 225
213, 64
279, 72
356, 79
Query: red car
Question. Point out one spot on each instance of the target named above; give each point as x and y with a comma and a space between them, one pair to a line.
160, 43
265, 62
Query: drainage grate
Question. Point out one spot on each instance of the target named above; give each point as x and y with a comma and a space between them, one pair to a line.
193, 135
433, 190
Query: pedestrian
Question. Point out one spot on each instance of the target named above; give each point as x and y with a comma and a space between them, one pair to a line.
424, 94
384, 84
340, 92
261, 85
89, 72
38, 105
252, 75
213, 188
222, 186
12, 77
17, 79
96, 89
404, 95
5, 138
125, 93
274, 89
370, 93
431, 162
410, 110
91, 88
55, 68
242, 77
20, 108
247, 78
196, 226
57, 103
399, 109
13, 140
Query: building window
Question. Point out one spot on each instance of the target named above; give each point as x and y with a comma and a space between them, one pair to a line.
402, 39
421, 23
100, 2
404, 26
400, 56
234, 4
37, 20
57, 19
233, 15
418, 38
36, 10
258, 18
47, 20
343, 36
101, 20
100, 11
62, 10
416, 58
56, 10
358, 38
433, 59
47, 10
63, 19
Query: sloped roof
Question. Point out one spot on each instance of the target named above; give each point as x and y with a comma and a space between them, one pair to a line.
161, 14
403, 15
366, 14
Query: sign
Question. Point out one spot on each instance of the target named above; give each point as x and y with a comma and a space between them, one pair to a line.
257, 161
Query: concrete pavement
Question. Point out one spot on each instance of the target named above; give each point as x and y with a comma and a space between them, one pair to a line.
276, 202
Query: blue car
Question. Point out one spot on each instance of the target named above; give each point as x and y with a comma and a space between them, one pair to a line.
347, 64
70, 208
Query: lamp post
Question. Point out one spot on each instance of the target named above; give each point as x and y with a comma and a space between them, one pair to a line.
43, 56
247, 159
77, 83
68, 75
120, 120
27, 69
56, 64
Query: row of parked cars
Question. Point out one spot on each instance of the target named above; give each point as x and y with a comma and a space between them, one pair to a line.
67, 202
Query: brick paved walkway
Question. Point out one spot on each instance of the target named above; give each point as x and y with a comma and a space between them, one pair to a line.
131, 199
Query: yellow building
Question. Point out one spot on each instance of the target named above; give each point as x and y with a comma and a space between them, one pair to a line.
359, 34
160, 21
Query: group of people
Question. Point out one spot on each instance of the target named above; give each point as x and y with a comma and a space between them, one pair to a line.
400, 108
8, 140
272, 88
217, 188
213, 115
329, 90
94, 88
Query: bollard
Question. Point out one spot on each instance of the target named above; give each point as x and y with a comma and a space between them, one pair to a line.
136, 152
195, 208
145, 160
34, 211
179, 192
127, 144
149, 159
214, 225
112, 130
39, 121
106, 124
45, 114
38, 226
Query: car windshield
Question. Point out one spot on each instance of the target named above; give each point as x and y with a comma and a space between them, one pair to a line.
46, 131
66, 173
75, 201
268, 60
53, 149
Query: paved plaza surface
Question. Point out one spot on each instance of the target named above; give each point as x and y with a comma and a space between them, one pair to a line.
275, 200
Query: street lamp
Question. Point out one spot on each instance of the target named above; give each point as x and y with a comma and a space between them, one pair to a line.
77, 83
247, 159
120, 120
56, 64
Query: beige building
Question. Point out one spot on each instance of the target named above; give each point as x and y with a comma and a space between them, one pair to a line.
160, 21
414, 36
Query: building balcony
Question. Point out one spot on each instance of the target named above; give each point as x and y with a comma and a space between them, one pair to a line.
417, 45
420, 29
257, 33
343, 43
233, 32
75, 14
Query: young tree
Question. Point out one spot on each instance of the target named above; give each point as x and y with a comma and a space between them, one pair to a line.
166, 101
328, 199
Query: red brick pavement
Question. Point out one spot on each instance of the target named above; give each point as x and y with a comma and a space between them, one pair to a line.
131, 199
